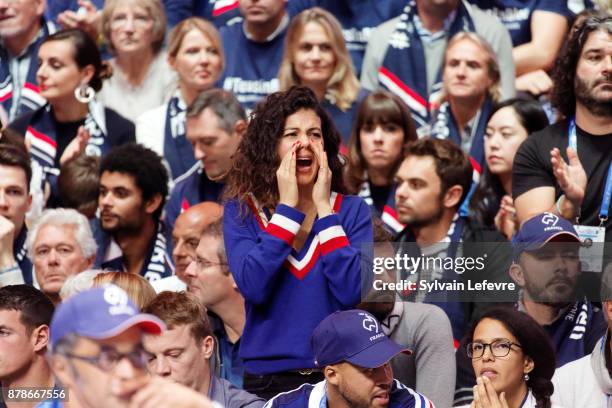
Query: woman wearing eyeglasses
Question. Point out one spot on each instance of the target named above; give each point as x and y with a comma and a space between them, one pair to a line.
513, 360
142, 78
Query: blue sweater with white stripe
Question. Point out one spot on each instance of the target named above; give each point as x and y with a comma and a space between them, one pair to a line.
287, 292
316, 396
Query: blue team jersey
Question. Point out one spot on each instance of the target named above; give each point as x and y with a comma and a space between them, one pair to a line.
251, 68
516, 14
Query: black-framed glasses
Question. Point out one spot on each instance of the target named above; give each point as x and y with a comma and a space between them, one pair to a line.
108, 358
499, 348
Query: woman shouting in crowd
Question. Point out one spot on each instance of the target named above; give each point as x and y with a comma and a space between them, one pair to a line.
294, 237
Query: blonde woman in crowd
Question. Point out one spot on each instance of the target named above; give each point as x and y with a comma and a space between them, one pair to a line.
138, 288
316, 56
195, 53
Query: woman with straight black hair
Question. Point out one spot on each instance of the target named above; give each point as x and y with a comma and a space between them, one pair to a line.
382, 128
508, 126
513, 360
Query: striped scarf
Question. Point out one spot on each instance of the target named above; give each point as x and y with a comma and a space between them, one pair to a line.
388, 215
445, 127
42, 136
177, 149
30, 98
403, 71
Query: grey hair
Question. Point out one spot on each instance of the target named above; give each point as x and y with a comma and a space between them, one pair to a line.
64, 217
78, 283
223, 104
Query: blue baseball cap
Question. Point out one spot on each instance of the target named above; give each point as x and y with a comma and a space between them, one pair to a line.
541, 229
354, 336
100, 313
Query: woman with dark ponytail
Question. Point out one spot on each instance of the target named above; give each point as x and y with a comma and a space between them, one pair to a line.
513, 360
72, 122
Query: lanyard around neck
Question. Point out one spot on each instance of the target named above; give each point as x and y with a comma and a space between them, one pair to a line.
607, 195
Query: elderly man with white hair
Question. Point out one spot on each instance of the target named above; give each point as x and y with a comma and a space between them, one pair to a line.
60, 244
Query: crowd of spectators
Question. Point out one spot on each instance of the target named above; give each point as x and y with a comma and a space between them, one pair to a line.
194, 195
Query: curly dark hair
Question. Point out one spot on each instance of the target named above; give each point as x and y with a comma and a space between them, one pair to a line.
144, 165
256, 160
563, 94
535, 344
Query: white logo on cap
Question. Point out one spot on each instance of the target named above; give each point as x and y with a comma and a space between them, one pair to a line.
118, 301
550, 219
369, 323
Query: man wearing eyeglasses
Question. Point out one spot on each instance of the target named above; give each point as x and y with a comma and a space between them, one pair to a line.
96, 352
210, 280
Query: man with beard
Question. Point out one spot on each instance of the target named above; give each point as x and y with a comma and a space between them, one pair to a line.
432, 182
547, 268
215, 124
353, 352
566, 167
130, 235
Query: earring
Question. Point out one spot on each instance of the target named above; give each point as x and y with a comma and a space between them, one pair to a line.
526, 377
84, 93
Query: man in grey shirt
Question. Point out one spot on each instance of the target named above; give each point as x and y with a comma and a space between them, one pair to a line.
433, 24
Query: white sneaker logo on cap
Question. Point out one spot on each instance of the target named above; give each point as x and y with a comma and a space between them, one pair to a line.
369, 323
118, 301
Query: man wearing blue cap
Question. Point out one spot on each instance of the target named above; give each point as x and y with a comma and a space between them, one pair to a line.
547, 267
96, 352
353, 352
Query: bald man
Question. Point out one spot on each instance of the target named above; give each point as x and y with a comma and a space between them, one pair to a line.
187, 231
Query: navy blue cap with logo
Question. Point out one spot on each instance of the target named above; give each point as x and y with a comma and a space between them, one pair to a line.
98, 314
541, 229
354, 336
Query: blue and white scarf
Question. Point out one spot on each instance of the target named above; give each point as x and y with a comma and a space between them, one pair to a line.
158, 261
404, 72
388, 215
41, 134
445, 127
177, 149
30, 93
447, 248
20, 254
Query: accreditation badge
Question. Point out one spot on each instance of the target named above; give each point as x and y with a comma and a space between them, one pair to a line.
592, 247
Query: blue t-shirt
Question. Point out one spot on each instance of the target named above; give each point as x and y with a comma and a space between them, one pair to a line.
251, 68
516, 14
